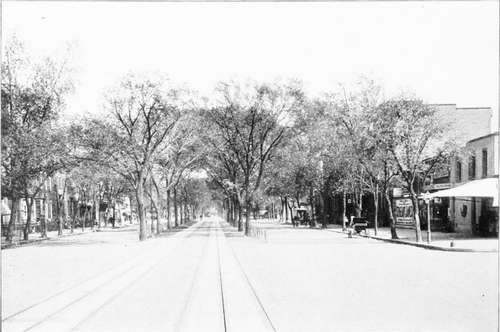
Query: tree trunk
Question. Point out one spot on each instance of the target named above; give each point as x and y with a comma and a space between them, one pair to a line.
176, 220
12, 221
59, 216
228, 211
29, 206
232, 207
99, 214
375, 202
85, 214
139, 193
240, 215
186, 213
181, 213
286, 209
344, 210
416, 216
311, 202
357, 204
324, 223
235, 210
392, 223
231, 210
152, 228
157, 209
93, 214
168, 209
360, 204
248, 202
114, 214
73, 215
158, 230
281, 210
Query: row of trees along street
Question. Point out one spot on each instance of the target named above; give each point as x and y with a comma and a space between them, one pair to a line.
249, 146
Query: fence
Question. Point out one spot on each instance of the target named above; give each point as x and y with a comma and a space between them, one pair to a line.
258, 232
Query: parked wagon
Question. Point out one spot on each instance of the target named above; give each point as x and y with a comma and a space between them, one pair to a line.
359, 224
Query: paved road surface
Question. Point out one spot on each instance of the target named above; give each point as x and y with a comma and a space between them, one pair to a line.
205, 279
188, 282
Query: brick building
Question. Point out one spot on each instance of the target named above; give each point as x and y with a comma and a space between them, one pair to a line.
464, 123
475, 215
471, 129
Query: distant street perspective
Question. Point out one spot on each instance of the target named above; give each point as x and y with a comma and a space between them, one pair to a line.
224, 175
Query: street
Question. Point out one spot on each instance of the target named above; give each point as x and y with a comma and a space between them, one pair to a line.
207, 277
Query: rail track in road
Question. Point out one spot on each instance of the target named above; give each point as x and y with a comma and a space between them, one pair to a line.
261, 310
192, 284
41, 312
75, 307
124, 289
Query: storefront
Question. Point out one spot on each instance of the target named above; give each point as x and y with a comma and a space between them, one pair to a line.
475, 206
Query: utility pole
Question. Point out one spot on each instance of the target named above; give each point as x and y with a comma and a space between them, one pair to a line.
427, 198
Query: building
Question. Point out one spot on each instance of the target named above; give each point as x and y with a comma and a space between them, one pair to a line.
466, 215
464, 123
470, 128
42, 209
475, 215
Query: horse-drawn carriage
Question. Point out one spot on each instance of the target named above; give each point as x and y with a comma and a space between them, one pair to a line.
359, 224
301, 218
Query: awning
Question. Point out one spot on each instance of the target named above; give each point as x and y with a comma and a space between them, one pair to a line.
478, 188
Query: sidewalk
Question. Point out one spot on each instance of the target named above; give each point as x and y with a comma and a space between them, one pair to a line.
439, 240
35, 237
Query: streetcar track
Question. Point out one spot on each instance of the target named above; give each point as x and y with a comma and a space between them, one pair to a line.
266, 314
67, 289
192, 284
80, 284
220, 278
215, 227
89, 292
123, 290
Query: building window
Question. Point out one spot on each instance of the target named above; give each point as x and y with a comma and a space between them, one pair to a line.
472, 167
485, 163
458, 171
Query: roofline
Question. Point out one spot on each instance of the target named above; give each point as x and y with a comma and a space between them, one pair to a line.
481, 137
473, 108
461, 108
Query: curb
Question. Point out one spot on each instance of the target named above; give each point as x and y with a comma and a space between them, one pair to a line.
419, 245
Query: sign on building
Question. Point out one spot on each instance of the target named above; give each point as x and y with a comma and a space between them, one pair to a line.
403, 210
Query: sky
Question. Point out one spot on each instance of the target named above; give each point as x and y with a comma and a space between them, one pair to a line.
445, 52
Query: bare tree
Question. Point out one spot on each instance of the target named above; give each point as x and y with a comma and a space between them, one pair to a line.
365, 133
251, 120
143, 113
413, 134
